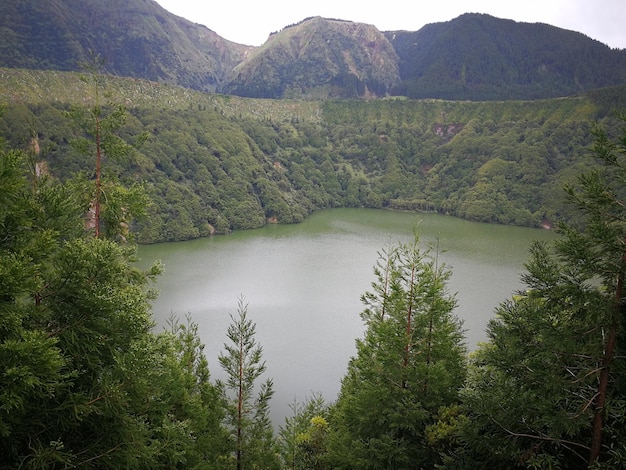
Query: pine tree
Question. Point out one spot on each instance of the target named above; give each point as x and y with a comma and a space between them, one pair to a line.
601, 199
83, 381
408, 365
187, 411
302, 438
247, 415
548, 388
111, 206
74, 312
32, 366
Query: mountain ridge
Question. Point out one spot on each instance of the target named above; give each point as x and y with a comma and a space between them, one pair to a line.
474, 56
354, 59
138, 38
494, 58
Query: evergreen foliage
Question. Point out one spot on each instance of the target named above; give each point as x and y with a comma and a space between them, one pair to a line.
247, 416
231, 166
189, 415
479, 57
303, 437
548, 389
108, 213
410, 363
474, 56
84, 383
140, 39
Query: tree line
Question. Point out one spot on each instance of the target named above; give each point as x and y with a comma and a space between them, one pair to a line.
86, 383
205, 171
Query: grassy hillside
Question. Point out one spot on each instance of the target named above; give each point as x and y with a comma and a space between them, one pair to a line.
320, 58
214, 163
472, 57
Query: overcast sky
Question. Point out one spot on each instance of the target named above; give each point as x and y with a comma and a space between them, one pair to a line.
251, 21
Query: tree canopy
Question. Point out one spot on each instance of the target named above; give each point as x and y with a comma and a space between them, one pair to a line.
410, 363
204, 171
547, 390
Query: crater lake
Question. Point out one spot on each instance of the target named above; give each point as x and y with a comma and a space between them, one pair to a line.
303, 284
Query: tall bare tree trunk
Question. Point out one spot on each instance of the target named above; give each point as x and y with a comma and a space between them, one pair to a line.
598, 419
240, 408
98, 182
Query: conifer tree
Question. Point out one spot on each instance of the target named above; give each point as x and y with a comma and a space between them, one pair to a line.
302, 438
548, 390
247, 414
408, 365
83, 381
73, 311
111, 205
32, 367
187, 411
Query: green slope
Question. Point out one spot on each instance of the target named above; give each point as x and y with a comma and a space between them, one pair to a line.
215, 163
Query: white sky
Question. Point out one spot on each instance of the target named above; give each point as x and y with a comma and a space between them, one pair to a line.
251, 21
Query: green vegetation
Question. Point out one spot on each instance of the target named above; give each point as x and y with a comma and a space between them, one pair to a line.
303, 437
247, 417
86, 383
139, 39
213, 164
318, 58
548, 388
472, 57
410, 363
479, 57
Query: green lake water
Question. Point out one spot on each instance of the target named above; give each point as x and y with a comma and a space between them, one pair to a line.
303, 285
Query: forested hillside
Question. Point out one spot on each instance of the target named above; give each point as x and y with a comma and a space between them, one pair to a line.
212, 164
318, 58
479, 57
139, 39
92, 163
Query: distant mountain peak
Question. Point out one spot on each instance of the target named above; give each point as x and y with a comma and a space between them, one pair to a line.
480, 57
137, 38
320, 57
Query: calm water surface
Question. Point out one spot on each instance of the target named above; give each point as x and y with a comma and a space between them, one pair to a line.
303, 285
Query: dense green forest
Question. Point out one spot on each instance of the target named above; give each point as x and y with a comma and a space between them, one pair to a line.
85, 382
213, 164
